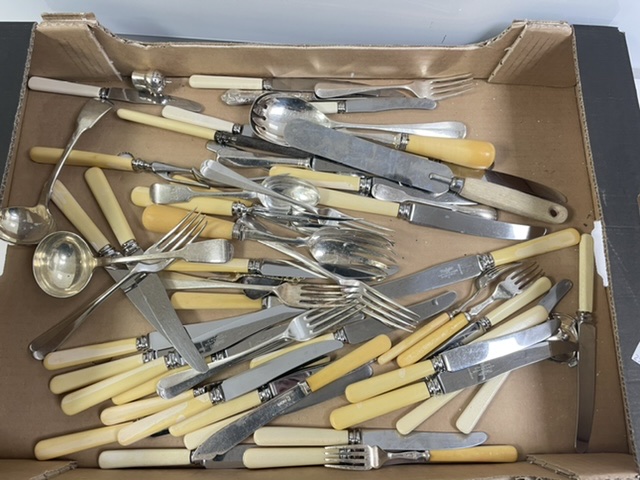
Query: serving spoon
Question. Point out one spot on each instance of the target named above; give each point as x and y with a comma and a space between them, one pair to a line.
28, 225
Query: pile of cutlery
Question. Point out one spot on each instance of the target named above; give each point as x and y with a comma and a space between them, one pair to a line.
322, 312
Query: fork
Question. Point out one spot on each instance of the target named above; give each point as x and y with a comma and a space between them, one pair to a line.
184, 233
369, 457
435, 88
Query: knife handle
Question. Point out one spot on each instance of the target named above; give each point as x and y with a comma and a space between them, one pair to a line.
71, 209
292, 436
41, 84
156, 422
356, 413
586, 273
161, 219
66, 382
352, 360
213, 206
385, 382
106, 198
87, 397
257, 361
358, 203
76, 442
474, 154
72, 357
194, 439
568, 237
277, 457
414, 338
511, 306
214, 301
432, 341
140, 408
166, 124
412, 420
199, 119
145, 388
224, 82
481, 454
235, 265
80, 158
320, 179
216, 413
144, 457
510, 200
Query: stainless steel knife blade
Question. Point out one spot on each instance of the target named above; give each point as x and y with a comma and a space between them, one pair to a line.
131, 95
367, 105
230, 459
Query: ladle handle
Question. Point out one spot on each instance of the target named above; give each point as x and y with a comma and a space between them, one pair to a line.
198, 119
213, 206
81, 158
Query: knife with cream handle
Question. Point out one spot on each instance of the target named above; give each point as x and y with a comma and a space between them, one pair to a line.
76, 442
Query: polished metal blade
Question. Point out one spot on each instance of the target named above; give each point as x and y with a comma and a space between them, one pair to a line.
587, 370
392, 440
381, 104
131, 95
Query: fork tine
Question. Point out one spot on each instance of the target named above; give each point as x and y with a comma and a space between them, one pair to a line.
171, 232
176, 240
451, 78
443, 96
338, 316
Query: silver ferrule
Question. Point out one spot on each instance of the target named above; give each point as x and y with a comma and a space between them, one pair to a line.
485, 260
200, 391
267, 84
306, 389
236, 129
340, 335
148, 356
584, 317
238, 231
265, 393
239, 209
341, 106
354, 436
456, 185
108, 251
484, 323
365, 186
173, 360
216, 396
404, 210
139, 165
254, 266
434, 387
438, 363
142, 343
130, 247
401, 141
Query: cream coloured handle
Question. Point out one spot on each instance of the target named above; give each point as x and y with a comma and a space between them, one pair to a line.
156, 422
474, 154
212, 206
568, 237
275, 457
511, 306
319, 179
155, 457
328, 108
50, 85
140, 408
194, 439
71, 209
358, 203
72, 357
76, 442
165, 124
214, 301
586, 273
292, 436
216, 413
223, 82
482, 454
161, 219
80, 158
257, 361
199, 119
235, 265
145, 388
412, 420
106, 198
66, 382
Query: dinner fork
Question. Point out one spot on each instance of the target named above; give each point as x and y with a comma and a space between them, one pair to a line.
184, 233
369, 457
434, 88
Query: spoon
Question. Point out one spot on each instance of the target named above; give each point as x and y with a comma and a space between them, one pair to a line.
271, 112
63, 262
29, 225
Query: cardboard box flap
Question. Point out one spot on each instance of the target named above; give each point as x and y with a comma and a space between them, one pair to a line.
595, 466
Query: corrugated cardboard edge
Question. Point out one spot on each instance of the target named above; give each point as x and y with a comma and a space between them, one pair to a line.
595, 466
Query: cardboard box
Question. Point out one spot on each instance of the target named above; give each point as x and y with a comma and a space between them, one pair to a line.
557, 101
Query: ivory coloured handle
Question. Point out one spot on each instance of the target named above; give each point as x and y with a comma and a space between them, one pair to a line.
356, 413
71, 209
474, 410
275, 457
199, 119
358, 203
352, 360
76, 442
73, 357
156, 422
145, 388
586, 273
235, 265
51, 85
212, 206
66, 382
568, 237
106, 198
412, 420
161, 219
87, 397
511, 306
80, 158
481, 454
432, 341
257, 361
140, 408
468, 153
214, 301
224, 82
194, 439
165, 124
319, 179
328, 108
292, 436
148, 457
514, 201
414, 338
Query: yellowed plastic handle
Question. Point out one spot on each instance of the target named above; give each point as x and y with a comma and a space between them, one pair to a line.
482, 454
511, 306
255, 362
214, 301
275, 457
87, 397
166, 124
141, 408
414, 338
235, 265
568, 237
156, 422
145, 388
66, 382
161, 219
293, 436
81, 158
216, 413
358, 203
199, 119
319, 179
76, 442
468, 153
586, 274
356, 413
412, 420
194, 439
225, 82
150, 457
212, 206
72, 357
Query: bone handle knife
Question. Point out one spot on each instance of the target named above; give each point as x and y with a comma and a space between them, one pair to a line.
194, 439
140, 408
166, 124
73, 357
51, 85
76, 442
147, 457
198, 119
144, 389
80, 158
224, 82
